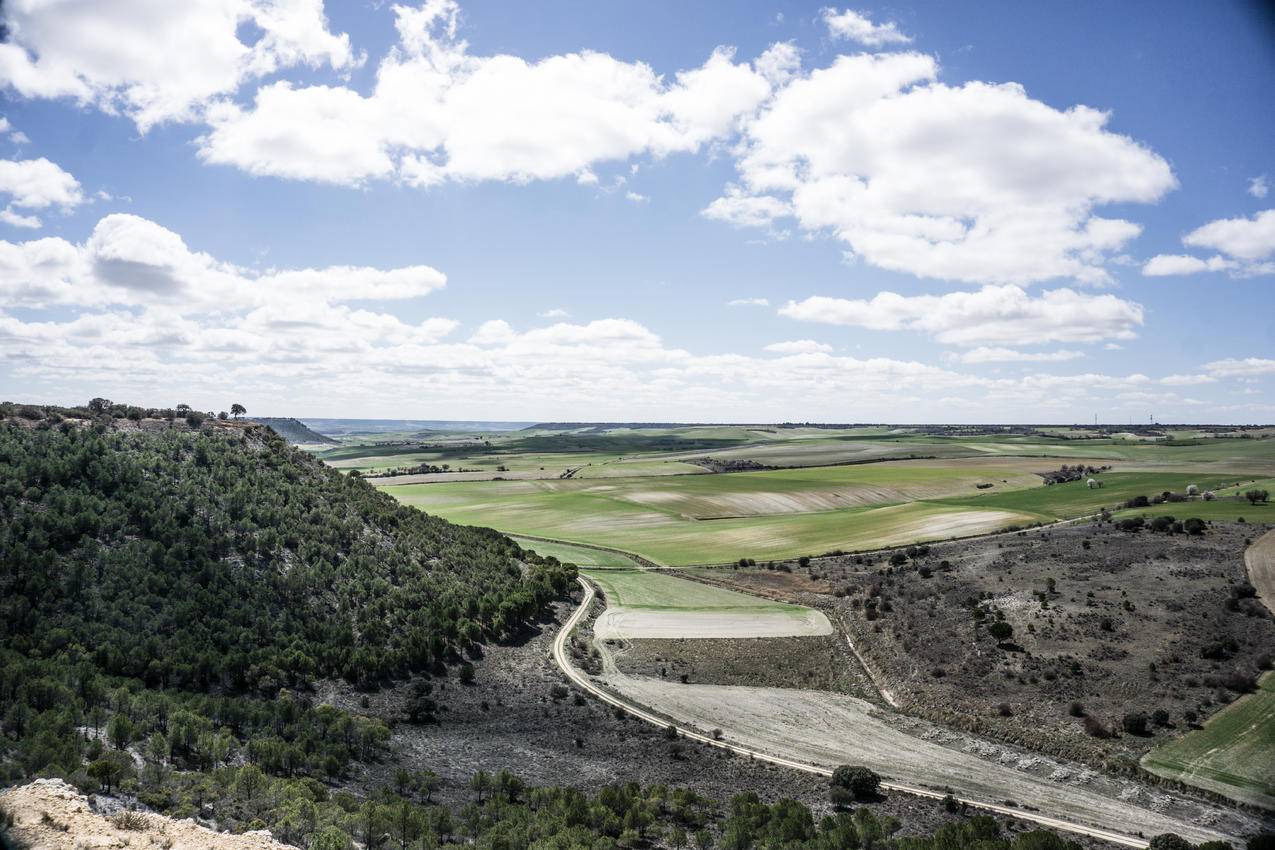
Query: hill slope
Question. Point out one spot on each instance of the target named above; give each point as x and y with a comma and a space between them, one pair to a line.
294, 430
150, 574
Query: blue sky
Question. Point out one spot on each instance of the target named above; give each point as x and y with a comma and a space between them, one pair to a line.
996, 212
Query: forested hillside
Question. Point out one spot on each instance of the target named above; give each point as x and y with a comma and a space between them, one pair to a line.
184, 585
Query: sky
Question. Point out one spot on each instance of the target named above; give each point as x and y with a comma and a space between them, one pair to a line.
641, 211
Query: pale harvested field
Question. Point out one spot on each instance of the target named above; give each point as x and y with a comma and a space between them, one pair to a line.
635, 623
649, 604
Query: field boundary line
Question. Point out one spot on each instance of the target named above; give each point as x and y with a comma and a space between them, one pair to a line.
633, 709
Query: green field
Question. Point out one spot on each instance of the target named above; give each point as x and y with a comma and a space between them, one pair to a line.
581, 556
848, 488
1222, 510
1234, 754
659, 591
785, 513
714, 518
1076, 498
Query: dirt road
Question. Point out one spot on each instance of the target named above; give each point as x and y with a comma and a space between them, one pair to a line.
814, 732
1260, 559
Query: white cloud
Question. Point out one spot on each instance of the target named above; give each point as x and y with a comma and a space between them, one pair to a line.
1187, 380
798, 346
15, 219
636, 198
858, 27
1165, 265
1248, 243
131, 261
748, 302
994, 315
1249, 239
440, 113
977, 183
38, 183
156, 60
984, 354
1257, 186
555, 313
779, 62
319, 133
1247, 367
740, 209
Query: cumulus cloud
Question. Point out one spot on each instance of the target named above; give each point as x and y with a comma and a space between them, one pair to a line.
554, 313
994, 315
858, 27
441, 113
1257, 186
985, 354
38, 183
156, 60
132, 261
977, 183
748, 302
16, 219
798, 346
1167, 265
1249, 239
1247, 243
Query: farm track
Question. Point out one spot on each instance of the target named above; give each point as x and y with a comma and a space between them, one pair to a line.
965, 770
1260, 559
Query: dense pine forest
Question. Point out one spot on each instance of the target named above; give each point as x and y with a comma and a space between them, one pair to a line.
177, 590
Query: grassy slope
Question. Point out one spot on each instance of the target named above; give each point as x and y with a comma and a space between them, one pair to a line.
1232, 754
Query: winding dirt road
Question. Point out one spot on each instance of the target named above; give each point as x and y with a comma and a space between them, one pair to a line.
814, 732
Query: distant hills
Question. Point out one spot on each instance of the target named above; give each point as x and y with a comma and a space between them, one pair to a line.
346, 427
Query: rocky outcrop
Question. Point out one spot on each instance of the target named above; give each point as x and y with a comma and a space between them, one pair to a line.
49, 814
